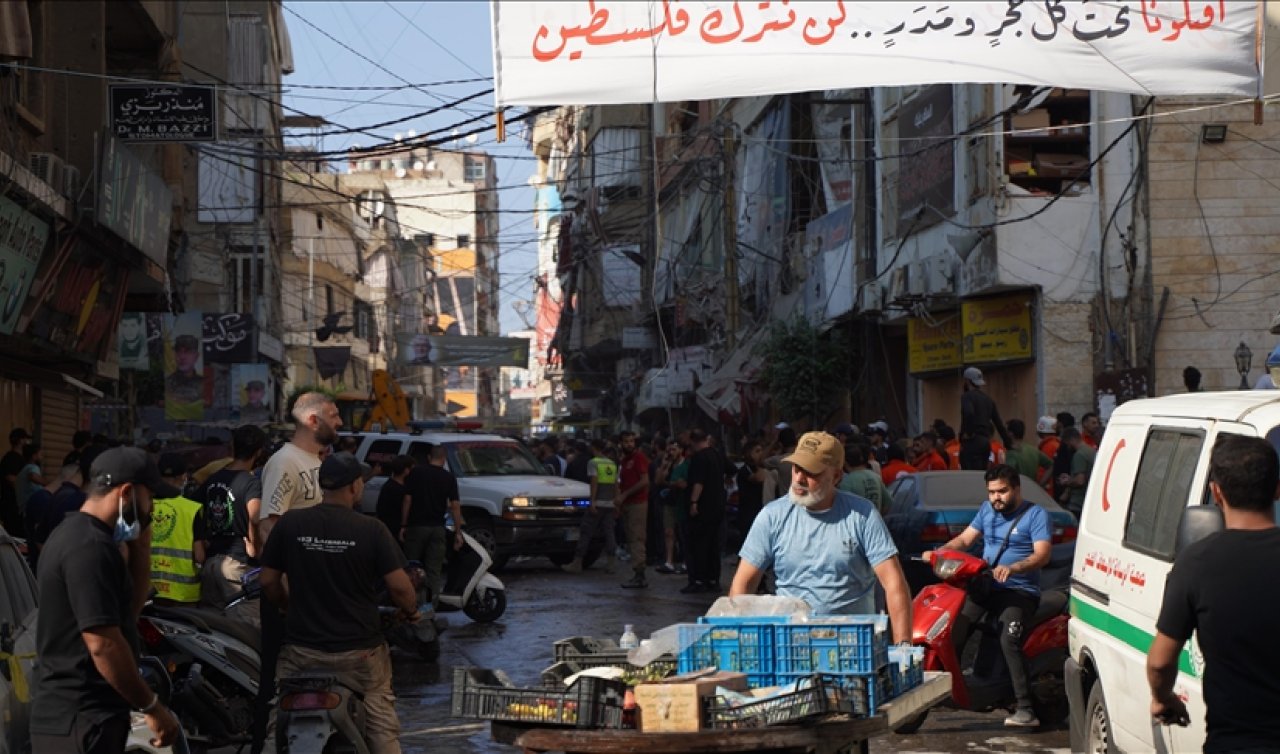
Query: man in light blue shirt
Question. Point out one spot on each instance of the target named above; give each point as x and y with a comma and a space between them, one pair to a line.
1016, 543
826, 546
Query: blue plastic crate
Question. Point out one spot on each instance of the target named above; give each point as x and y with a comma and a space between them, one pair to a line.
858, 694
908, 664
851, 644
739, 645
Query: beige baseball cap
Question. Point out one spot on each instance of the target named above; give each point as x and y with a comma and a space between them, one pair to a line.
816, 452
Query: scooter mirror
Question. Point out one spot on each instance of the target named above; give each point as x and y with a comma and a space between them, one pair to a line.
1198, 522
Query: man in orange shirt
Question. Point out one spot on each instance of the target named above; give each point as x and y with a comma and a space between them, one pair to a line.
897, 465
1047, 429
927, 457
950, 447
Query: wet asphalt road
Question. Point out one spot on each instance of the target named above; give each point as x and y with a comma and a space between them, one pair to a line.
544, 605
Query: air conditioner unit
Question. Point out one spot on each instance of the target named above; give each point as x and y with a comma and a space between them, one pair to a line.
871, 299
941, 273
916, 279
899, 283
49, 168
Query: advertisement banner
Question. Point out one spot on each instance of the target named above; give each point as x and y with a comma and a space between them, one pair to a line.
163, 113
463, 351
184, 379
228, 338
829, 287
933, 347
997, 329
22, 240
251, 392
80, 301
134, 202
599, 53
927, 176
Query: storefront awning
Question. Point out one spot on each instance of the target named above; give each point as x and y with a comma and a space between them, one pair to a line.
721, 393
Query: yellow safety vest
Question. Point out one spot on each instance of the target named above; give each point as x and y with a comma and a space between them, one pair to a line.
173, 569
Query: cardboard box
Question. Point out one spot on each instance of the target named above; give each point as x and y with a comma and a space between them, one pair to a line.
674, 705
1038, 118
1017, 161
1053, 165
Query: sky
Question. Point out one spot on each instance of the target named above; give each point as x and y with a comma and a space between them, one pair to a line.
420, 43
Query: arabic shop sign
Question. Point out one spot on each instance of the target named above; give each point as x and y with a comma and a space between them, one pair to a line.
996, 329
927, 172
22, 241
933, 346
228, 338
596, 53
178, 113
134, 202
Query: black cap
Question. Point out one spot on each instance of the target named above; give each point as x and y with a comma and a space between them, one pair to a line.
342, 469
172, 464
118, 466
188, 342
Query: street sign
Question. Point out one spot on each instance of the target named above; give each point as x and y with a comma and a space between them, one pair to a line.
163, 112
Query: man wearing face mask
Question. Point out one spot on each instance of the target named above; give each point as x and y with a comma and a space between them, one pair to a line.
91, 594
826, 546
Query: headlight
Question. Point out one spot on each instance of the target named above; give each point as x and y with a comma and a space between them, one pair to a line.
945, 569
519, 502
938, 627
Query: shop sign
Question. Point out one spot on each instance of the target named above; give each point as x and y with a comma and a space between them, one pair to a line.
997, 329
134, 202
163, 113
933, 347
81, 311
22, 239
926, 178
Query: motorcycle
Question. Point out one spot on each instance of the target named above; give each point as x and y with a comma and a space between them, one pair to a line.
319, 715
139, 740
469, 586
980, 678
215, 663
423, 637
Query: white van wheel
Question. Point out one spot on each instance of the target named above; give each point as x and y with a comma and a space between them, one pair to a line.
1097, 723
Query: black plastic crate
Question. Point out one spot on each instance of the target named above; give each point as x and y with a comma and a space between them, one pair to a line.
861, 694
583, 652
814, 699
480, 694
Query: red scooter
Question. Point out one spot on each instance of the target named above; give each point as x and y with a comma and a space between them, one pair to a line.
980, 677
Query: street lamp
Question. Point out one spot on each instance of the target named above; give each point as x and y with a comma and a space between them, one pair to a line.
1244, 359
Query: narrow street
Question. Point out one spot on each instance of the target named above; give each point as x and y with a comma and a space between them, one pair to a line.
545, 605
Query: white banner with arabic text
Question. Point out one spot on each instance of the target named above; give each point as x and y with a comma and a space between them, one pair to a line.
595, 53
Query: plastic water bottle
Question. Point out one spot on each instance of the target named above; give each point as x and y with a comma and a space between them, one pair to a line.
629, 639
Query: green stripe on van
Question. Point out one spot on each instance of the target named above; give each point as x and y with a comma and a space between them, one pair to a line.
1124, 631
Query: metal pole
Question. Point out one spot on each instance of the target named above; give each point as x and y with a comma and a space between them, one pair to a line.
253, 259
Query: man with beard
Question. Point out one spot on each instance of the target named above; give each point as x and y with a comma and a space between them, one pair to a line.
290, 481
826, 546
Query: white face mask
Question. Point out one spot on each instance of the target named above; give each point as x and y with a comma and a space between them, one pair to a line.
127, 532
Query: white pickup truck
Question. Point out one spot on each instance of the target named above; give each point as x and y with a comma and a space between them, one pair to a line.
511, 505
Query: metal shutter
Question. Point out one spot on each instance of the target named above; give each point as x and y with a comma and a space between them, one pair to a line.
59, 420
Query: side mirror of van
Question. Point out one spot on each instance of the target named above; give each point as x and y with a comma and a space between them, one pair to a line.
1198, 522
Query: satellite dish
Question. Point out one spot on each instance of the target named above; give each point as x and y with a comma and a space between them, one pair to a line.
400, 172
472, 139
418, 165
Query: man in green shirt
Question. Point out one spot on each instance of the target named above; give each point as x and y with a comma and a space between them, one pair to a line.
603, 473
1074, 484
1028, 459
861, 480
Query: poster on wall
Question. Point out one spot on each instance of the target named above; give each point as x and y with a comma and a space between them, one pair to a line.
184, 393
250, 392
132, 336
22, 240
228, 338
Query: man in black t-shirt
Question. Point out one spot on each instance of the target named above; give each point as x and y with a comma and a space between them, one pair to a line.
433, 492
706, 512
1218, 588
750, 478
336, 559
391, 498
232, 498
87, 676
10, 465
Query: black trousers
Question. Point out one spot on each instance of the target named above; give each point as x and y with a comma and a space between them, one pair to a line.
102, 737
273, 631
975, 453
1013, 609
703, 556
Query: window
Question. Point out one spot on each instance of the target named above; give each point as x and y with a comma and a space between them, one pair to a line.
474, 171
382, 451
470, 459
1042, 161
464, 240
903, 492
30, 83
242, 299
1162, 490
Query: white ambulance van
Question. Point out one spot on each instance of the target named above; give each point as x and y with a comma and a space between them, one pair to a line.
1152, 464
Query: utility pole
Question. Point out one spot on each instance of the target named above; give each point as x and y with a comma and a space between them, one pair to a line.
730, 241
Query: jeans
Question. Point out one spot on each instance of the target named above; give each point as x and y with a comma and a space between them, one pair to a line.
426, 544
273, 633
102, 737
601, 519
366, 672
1012, 608
636, 518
